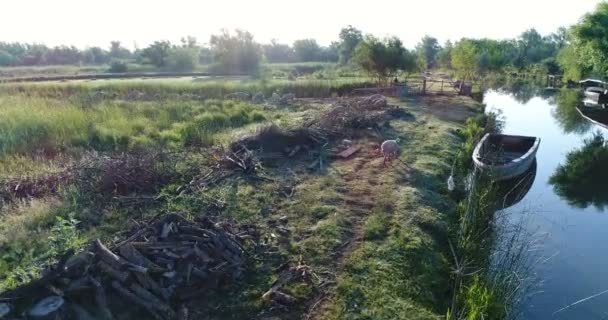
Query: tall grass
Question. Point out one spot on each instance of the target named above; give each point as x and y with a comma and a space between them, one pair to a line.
490, 261
202, 87
31, 124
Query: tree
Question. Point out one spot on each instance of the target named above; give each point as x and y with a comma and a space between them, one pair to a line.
189, 42
237, 53
444, 56
117, 51
6, 59
278, 52
569, 61
349, 39
427, 50
382, 59
95, 55
157, 53
307, 50
588, 48
183, 59
464, 58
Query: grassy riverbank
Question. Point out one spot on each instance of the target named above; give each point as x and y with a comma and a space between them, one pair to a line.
376, 238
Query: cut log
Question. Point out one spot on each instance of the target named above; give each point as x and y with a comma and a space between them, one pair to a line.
125, 293
46, 306
348, 152
114, 260
101, 300
112, 272
132, 255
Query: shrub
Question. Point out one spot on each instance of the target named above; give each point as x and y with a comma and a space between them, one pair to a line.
183, 59
118, 67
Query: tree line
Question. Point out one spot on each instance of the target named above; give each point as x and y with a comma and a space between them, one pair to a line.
238, 52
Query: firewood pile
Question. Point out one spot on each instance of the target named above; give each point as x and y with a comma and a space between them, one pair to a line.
154, 273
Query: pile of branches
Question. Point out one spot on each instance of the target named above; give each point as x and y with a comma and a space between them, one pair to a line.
15, 188
156, 271
354, 113
124, 174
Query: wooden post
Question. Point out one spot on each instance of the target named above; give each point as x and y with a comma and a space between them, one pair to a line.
424, 86
441, 85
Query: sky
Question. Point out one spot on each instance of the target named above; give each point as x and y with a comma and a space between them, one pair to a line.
140, 22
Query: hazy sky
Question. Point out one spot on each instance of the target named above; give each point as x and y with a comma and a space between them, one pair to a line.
86, 22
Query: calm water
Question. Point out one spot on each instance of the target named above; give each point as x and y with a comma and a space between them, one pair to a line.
575, 238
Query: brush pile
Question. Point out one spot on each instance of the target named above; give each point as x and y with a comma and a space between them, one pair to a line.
355, 113
154, 273
12, 189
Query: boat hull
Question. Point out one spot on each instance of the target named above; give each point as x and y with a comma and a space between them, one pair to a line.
512, 168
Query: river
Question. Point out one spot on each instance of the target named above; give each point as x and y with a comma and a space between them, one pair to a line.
573, 232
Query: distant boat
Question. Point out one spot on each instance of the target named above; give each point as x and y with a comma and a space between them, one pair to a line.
505, 156
594, 115
592, 83
596, 95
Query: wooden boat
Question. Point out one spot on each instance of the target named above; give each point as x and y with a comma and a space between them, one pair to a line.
594, 115
505, 156
596, 95
592, 83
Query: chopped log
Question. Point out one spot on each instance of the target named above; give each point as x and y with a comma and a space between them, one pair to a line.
202, 254
348, 152
150, 284
46, 306
182, 313
159, 245
279, 297
196, 231
101, 300
125, 293
134, 237
166, 230
121, 276
156, 302
80, 312
114, 260
132, 255
294, 151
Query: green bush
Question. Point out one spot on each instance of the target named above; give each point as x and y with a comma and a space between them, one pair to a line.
118, 67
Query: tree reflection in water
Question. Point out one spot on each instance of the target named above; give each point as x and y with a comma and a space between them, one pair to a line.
566, 114
581, 180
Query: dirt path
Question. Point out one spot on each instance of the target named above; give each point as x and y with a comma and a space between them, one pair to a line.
364, 175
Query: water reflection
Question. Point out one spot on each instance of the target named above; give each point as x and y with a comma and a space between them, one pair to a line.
566, 114
512, 191
521, 90
581, 180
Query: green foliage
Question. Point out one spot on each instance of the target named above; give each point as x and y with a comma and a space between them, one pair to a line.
566, 114
464, 58
277, 52
382, 59
586, 52
237, 53
118, 66
582, 178
183, 59
427, 49
6, 59
307, 50
157, 53
350, 37
30, 124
